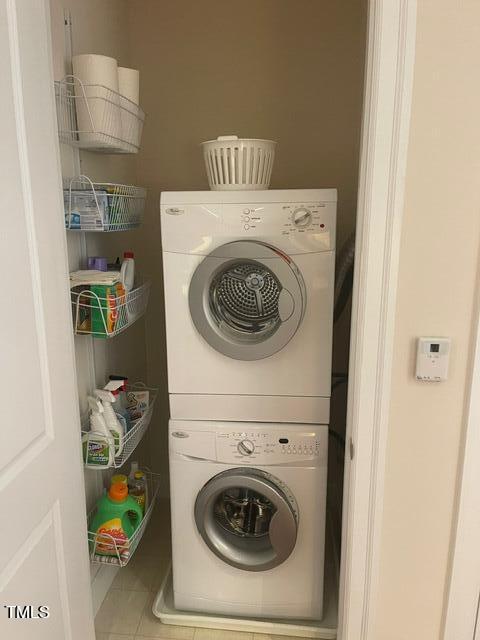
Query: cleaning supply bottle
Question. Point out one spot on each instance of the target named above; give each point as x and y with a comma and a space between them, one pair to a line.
115, 426
118, 386
127, 270
133, 469
98, 444
119, 477
117, 518
137, 488
123, 389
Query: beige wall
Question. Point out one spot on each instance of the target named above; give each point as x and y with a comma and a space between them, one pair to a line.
290, 70
437, 285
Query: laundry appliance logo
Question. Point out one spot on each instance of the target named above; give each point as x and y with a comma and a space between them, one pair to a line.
26, 612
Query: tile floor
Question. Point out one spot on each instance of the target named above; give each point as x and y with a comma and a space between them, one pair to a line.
126, 612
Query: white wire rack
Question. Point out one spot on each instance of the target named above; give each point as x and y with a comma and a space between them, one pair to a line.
105, 549
94, 117
107, 315
102, 206
132, 437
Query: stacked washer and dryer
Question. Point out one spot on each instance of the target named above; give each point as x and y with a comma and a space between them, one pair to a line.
249, 280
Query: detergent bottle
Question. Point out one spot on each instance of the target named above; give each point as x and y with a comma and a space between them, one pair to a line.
117, 518
127, 271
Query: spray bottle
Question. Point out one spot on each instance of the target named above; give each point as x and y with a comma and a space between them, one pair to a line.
98, 443
114, 425
117, 386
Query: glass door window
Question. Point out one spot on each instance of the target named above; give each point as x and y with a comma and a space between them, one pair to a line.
248, 518
247, 300
244, 300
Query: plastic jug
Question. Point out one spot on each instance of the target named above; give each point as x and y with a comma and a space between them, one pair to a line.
127, 271
118, 516
138, 489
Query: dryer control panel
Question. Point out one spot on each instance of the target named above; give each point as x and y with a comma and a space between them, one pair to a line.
294, 221
268, 446
291, 218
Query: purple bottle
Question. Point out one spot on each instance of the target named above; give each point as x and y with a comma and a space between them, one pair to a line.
101, 264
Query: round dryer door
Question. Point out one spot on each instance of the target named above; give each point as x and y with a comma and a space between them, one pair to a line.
248, 518
247, 299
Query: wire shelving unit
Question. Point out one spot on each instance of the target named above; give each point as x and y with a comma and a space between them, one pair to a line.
106, 549
131, 439
102, 206
108, 315
96, 118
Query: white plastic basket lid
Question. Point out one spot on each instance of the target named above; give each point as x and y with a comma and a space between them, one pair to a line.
232, 138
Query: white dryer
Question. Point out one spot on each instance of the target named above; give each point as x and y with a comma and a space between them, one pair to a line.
248, 518
249, 279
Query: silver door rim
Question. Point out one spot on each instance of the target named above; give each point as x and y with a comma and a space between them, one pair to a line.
283, 527
292, 299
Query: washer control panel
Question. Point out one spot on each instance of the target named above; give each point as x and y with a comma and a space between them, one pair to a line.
266, 447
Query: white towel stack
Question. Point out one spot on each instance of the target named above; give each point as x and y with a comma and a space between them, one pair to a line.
92, 276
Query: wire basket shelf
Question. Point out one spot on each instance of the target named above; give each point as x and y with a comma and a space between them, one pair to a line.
102, 206
109, 314
105, 549
131, 439
96, 118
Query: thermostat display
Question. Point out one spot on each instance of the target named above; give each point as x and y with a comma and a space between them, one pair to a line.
432, 359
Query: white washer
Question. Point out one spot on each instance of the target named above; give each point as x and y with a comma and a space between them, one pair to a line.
249, 280
248, 518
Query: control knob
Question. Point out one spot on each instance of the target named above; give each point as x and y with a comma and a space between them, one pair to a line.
302, 217
246, 447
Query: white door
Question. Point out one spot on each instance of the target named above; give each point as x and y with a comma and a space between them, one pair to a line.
44, 565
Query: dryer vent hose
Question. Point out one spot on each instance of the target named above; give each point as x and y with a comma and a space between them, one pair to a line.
344, 276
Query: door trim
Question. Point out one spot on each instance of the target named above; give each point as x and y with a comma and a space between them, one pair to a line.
385, 133
463, 594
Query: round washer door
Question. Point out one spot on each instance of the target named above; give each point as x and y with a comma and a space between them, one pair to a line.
247, 299
248, 518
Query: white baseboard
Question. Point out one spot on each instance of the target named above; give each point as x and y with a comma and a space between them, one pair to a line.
101, 583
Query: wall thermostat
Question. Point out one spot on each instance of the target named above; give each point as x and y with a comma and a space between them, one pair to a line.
432, 359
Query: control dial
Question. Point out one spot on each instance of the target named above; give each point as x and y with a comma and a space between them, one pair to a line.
302, 217
246, 447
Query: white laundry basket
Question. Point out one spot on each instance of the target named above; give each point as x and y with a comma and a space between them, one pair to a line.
235, 164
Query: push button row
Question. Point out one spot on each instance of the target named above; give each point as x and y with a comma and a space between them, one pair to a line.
300, 451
